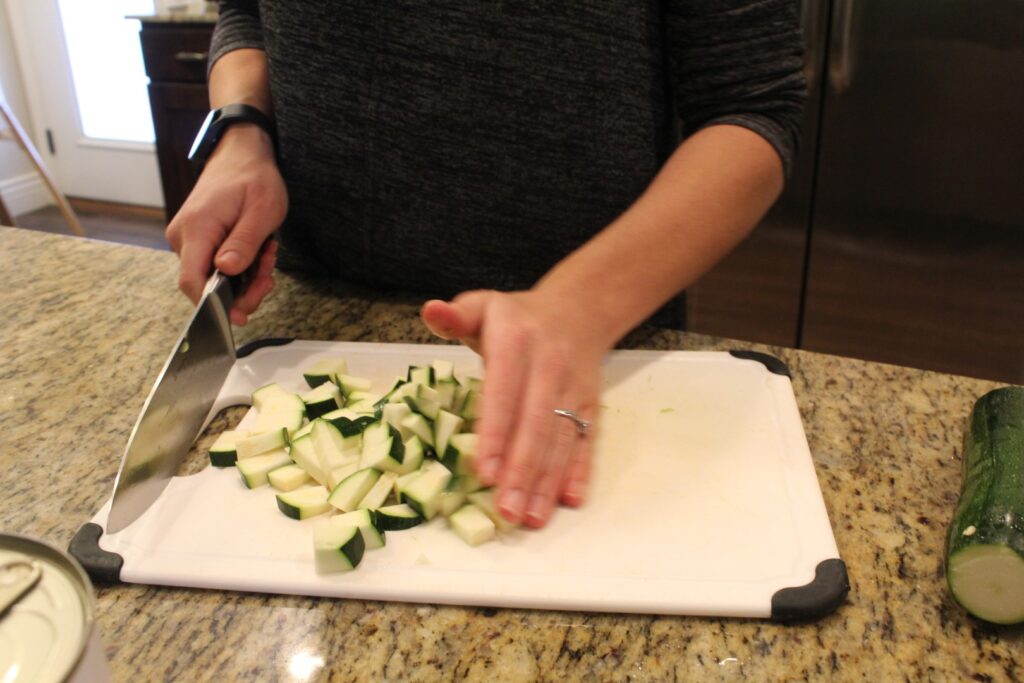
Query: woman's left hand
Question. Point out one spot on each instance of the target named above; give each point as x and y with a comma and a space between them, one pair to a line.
538, 358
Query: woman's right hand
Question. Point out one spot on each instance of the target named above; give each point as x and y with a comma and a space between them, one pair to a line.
236, 205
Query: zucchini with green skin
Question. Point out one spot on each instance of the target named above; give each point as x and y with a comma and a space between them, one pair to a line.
337, 547
222, 452
304, 503
985, 558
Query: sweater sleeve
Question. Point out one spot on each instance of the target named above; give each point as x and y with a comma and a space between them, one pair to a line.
238, 26
739, 62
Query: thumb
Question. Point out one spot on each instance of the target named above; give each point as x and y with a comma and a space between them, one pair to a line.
244, 242
461, 318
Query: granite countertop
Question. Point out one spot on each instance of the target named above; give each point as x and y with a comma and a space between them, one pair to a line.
87, 327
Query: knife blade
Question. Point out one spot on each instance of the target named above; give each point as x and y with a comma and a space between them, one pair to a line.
177, 406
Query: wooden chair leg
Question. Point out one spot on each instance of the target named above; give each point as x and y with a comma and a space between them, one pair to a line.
26, 144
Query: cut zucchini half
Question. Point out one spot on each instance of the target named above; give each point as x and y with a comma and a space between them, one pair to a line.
304, 503
337, 547
222, 452
472, 525
288, 477
254, 470
397, 517
353, 488
322, 370
366, 522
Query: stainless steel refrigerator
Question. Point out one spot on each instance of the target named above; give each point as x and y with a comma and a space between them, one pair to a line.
900, 236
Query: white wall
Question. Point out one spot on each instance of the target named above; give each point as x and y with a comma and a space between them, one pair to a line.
19, 184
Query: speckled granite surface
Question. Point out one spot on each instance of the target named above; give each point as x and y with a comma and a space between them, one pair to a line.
87, 327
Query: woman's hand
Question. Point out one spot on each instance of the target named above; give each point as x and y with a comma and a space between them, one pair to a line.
538, 358
237, 204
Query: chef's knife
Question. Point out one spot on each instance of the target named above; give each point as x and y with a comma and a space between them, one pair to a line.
177, 407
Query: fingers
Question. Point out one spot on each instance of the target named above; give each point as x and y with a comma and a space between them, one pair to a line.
547, 487
573, 485
243, 242
501, 400
196, 256
461, 319
258, 287
536, 437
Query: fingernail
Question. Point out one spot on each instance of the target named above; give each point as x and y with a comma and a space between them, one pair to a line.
511, 505
539, 510
229, 259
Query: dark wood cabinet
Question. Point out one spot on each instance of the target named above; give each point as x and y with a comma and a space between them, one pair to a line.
175, 54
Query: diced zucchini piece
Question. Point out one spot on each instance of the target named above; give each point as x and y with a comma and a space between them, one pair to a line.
264, 393
471, 406
397, 517
445, 426
330, 446
459, 399
475, 383
444, 371
395, 386
451, 500
423, 494
398, 395
403, 481
339, 474
349, 423
365, 397
471, 525
337, 547
420, 375
302, 431
376, 496
353, 488
413, 456
304, 503
468, 483
303, 452
420, 426
484, 499
393, 414
382, 453
426, 402
222, 452
446, 394
288, 478
348, 383
250, 446
366, 522
254, 470
322, 370
460, 453
322, 400
368, 408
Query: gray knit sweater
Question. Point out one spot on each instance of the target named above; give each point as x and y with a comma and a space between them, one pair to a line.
454, 144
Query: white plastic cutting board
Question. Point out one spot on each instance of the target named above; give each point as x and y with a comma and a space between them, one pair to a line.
703, 501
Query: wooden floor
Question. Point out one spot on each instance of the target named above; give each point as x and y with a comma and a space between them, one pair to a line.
125, 224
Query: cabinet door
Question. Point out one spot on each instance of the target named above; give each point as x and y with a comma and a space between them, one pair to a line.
917, 253
178, 111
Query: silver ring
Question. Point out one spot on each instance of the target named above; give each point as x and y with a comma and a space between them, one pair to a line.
581, 425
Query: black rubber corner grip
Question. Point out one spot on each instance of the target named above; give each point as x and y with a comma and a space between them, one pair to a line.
773, 364
257, 344
101, 566
819, 598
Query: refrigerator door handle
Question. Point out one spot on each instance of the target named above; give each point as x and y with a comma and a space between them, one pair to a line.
811, 28
840, 69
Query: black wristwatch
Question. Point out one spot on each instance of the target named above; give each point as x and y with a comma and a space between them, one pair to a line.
217, 121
